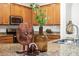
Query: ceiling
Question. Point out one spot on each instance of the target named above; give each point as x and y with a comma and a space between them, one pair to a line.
28, 4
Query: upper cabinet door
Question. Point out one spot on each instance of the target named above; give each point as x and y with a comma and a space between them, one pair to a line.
34, 22
26, 14
12, 9
17, 10
4, 13
48, 11
23, 11
56, 13
52, 11
1, 14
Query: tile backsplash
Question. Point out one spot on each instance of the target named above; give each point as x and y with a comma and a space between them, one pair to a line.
53, 28
2, 30
36, 28
4, 27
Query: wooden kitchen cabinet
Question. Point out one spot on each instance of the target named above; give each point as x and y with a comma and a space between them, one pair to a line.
6, 39
56, 14
53, 37
52, 11
27, 15
16, 10
4, 13
12, 9
25, 12
48, 12
1, 14
34, 22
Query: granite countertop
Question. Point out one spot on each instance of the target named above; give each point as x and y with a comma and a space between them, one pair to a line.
54, 33
53, 50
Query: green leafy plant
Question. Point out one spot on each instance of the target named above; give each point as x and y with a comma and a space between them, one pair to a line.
40, 15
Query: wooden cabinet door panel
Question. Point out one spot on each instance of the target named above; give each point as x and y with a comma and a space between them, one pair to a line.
1, 14
53, 13
17, 10
28, 16
50, 14
33, 18
4, 13
12, 9
53, 37
25, 12
6, 39
57, 14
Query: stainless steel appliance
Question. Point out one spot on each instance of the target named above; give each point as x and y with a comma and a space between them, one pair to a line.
16, 20
13, 32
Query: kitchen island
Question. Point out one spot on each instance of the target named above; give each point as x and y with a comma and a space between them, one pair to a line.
54, 49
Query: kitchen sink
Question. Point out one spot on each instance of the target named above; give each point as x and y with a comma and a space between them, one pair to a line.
68, 41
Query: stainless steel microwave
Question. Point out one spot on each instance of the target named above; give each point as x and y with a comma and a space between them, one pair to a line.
16, 20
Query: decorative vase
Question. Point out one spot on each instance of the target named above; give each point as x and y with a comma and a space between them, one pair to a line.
41, 41
41, 30
69, 27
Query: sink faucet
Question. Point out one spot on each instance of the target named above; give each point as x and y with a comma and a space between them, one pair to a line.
71, 26
77, 32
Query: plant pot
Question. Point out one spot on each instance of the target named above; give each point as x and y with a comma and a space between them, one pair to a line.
41, 42
41, 30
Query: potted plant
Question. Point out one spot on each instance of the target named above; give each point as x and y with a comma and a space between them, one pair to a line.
40, 16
